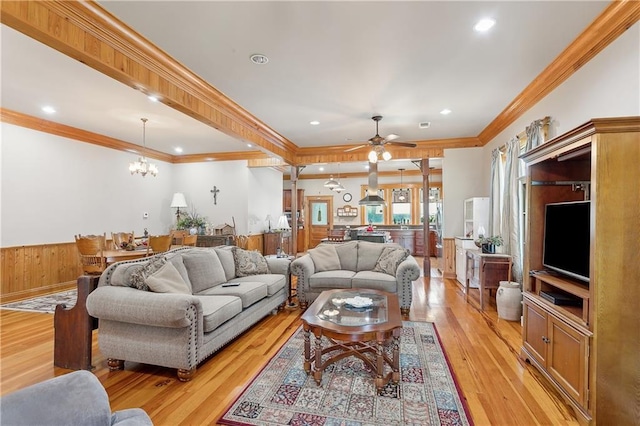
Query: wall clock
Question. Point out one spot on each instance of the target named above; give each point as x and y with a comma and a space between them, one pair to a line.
346, 197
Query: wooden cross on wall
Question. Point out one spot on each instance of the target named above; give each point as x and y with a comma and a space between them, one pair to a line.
215, 191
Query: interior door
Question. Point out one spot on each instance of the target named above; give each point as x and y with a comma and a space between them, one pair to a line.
320, 218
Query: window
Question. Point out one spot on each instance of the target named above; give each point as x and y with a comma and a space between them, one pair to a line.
403, 206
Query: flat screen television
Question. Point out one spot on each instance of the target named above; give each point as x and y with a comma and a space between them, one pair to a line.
567, 237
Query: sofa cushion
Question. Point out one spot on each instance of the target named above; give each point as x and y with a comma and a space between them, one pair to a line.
122, 274
249, 262
368, 254
139, 276
248, 292
274, 282
348, 255
225, 254
167, 280
204, 269
375, 281
325, 258
179, 264
331, 279
389, 260
216, 310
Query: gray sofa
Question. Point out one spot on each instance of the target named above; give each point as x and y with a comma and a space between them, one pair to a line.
76, 398
356, 264
181, 328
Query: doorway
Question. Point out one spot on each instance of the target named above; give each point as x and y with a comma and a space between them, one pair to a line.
319, 216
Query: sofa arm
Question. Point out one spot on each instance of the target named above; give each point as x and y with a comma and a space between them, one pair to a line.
303, 268
407, 272
278, 265
135, 306
76, 398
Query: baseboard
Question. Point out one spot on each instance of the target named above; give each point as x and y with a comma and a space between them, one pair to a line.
34, 292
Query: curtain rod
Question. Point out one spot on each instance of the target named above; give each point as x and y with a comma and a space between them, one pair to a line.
522, 136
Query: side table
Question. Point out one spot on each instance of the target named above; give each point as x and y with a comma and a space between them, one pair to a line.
486, 270
291, 292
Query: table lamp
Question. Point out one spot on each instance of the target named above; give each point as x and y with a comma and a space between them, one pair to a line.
178, 202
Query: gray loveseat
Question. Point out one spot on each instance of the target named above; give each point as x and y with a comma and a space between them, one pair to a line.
76, 398
356, 264
214, 295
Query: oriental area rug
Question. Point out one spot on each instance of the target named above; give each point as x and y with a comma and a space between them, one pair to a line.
283, 394
46, 303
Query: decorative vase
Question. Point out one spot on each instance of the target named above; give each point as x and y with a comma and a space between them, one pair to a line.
509, 301
488, 248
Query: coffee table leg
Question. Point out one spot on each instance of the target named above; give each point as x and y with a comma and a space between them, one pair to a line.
379, 366
317, 373
396, 359
307, 352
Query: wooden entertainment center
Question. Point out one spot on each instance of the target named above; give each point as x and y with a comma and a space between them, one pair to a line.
589, 349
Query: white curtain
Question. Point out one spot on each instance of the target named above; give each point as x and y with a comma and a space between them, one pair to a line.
535, 135
510, 229
495, 193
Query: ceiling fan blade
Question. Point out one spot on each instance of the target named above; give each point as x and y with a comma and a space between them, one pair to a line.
407, 144
355, 148
391, 137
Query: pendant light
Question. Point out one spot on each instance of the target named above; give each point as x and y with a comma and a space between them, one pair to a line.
142, 166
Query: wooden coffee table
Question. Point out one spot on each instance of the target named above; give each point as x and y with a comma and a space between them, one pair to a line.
351, 331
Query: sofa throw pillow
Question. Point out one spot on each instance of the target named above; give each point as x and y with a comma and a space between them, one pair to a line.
249, 263
204, 269
389, 260
138, 277
325, 258
167, 279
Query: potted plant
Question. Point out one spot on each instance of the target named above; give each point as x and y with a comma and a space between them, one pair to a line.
489, 244
193, 222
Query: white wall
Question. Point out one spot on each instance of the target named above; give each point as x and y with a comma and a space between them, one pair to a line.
264, 198
463, 176
53, 188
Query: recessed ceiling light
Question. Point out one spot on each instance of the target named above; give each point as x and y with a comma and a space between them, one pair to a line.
314, 122
249, 145
321, 169
48, 109
178, 150
445, 111
366, 167
152, 98
484, 25
258, 58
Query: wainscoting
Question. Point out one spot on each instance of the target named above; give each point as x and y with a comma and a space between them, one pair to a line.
29, 271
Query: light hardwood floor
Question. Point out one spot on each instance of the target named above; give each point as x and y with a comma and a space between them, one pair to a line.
483, 350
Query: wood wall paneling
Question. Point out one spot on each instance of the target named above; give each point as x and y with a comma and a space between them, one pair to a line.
28, 271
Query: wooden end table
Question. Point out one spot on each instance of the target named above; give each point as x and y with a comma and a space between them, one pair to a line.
359, 332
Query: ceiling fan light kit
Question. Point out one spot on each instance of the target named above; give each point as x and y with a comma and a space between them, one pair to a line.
377, 144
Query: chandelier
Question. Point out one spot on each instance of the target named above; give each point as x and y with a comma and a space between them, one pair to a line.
142, 166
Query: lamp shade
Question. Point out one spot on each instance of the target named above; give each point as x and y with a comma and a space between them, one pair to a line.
283, 223
178, 200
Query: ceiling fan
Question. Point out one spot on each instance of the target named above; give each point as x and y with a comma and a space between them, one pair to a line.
377, 144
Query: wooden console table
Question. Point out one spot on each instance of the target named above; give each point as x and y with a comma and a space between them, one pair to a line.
485, 271
73, 329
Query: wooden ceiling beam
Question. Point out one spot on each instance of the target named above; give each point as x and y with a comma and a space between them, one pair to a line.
405, 173
88, 33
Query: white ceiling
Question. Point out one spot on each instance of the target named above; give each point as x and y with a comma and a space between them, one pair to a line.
335, 62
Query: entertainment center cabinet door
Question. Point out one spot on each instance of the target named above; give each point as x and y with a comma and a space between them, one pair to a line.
558, 348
